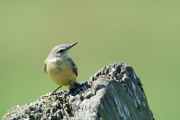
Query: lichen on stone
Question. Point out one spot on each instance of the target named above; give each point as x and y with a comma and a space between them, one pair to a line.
114, 92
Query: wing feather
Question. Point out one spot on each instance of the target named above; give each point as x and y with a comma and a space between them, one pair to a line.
45, 70
74, 66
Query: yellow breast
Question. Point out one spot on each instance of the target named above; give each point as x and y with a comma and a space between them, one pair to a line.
61, 73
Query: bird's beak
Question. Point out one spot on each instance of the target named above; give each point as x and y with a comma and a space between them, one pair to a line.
71, 45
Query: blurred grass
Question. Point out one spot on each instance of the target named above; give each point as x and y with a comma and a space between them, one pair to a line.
143, 34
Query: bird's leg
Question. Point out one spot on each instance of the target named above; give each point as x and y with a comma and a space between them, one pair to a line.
55, 90
74, 85
72, 88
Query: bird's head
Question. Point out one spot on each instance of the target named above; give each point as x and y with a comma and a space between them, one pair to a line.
61, 51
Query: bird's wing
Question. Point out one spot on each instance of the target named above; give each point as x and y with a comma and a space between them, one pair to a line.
74, 66
45, 70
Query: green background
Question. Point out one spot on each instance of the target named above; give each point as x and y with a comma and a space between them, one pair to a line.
143, 34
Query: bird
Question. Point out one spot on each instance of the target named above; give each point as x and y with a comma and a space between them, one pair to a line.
60, 67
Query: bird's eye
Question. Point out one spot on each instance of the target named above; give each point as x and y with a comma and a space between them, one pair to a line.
60, 51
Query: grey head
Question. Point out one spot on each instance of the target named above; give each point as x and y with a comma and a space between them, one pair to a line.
61, 51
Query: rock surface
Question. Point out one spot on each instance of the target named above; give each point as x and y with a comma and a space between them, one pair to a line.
113, 93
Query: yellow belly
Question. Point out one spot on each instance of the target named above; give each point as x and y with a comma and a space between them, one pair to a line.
61, 74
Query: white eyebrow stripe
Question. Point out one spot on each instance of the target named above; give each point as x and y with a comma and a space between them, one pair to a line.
61, 49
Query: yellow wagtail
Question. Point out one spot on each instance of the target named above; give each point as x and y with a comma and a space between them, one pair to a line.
60, 67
